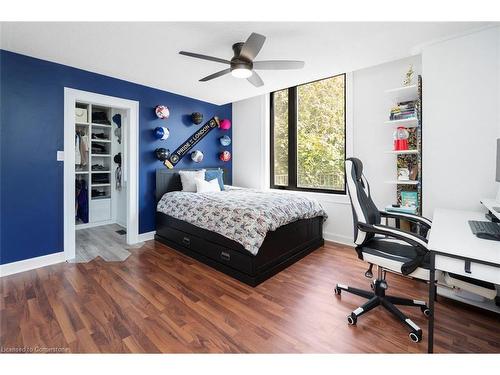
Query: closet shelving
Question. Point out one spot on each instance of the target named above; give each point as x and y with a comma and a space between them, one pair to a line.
97, 171
413, 156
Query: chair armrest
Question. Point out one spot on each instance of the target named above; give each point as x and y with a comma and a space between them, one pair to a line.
419, 243
415, 240
427, 223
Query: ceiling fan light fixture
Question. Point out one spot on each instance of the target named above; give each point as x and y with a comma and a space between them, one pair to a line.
241, 72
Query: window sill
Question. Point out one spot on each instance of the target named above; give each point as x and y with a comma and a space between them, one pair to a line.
322, 197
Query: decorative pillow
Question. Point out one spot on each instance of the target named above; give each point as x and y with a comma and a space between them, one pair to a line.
188, 179
215, 173
203, 186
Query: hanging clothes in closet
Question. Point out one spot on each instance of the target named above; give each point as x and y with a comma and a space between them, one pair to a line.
81, 200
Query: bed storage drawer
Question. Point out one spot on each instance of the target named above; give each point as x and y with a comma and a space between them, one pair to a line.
221, 254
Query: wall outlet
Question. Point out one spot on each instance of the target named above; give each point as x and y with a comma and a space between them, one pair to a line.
60, 155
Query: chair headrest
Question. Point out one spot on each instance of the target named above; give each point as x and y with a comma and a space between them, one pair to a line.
357, 166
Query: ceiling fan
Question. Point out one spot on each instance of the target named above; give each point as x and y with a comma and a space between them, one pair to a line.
242, 65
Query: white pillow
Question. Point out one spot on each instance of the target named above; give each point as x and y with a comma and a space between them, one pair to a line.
188, 179
203, 186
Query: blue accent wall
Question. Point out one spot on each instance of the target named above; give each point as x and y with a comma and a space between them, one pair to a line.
32, 122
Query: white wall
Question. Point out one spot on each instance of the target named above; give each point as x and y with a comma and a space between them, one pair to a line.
250, 142
461, 120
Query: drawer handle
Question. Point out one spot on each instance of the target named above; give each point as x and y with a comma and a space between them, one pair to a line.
467, 266
186, 241
225, 255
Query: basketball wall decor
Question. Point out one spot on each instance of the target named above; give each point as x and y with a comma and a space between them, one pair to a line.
162, 112
197, 118
189, 143
225, 124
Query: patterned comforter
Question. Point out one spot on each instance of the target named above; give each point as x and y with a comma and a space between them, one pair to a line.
242, 215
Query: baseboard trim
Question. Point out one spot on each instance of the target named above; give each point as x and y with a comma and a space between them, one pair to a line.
338, 238
31, 264
148, 236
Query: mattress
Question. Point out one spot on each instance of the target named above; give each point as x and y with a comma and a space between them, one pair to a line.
242, 215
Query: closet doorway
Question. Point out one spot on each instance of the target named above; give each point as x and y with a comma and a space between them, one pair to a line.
100, 176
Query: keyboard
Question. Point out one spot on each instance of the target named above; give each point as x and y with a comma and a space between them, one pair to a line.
485, 230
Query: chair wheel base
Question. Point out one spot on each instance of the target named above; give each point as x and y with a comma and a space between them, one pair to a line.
426, 311
415, 336
352, 319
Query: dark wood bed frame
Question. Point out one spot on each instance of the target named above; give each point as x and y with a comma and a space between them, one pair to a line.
280, 249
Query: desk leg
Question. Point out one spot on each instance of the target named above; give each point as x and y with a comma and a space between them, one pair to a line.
432, 298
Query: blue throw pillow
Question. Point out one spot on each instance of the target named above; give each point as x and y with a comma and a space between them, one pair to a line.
215, 173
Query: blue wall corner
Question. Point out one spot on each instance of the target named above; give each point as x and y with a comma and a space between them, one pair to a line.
32, 121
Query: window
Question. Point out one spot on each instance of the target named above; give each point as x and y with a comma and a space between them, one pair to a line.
308, 125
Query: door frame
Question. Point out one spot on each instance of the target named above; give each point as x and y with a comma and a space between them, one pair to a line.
71, 96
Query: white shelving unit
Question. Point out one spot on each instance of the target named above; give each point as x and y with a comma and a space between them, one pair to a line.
407, 123
402, 182
403, 94
402, 152
396, 96
97, 180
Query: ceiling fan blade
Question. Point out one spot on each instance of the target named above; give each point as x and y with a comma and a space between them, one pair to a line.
215, 75
252, 46
278, 64
255, 80
204, 57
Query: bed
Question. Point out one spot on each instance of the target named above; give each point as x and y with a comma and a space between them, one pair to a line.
279, 249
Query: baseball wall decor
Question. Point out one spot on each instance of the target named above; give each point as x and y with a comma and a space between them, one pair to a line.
189, 143
162, 112
225, 156
197, 118
161, 132
225, 124
197, 156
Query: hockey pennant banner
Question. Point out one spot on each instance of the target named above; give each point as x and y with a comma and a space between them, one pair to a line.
187, 145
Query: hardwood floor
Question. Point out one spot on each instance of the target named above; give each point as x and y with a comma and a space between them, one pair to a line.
158, 300
103, 241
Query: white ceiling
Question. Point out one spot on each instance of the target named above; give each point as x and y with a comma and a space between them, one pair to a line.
147, 53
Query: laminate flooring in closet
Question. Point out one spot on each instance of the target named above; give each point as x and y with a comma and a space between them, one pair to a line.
104, 242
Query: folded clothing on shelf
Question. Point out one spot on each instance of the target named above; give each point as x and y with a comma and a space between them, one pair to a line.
100, 118
100, 136
98, 193
98, 167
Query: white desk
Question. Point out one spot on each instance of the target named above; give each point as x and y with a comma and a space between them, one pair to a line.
453, 248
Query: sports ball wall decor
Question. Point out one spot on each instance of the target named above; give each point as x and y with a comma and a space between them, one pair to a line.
162, 154
162, 112
225, 124
189, 143
197, 118
197, 156
161, 132
225, 156
225, 140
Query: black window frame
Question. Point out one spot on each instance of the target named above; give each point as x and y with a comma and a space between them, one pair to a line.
292, 140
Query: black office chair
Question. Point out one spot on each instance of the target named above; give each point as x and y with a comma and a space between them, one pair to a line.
390, 248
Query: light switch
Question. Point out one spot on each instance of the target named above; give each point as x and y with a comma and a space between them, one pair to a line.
60, 155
